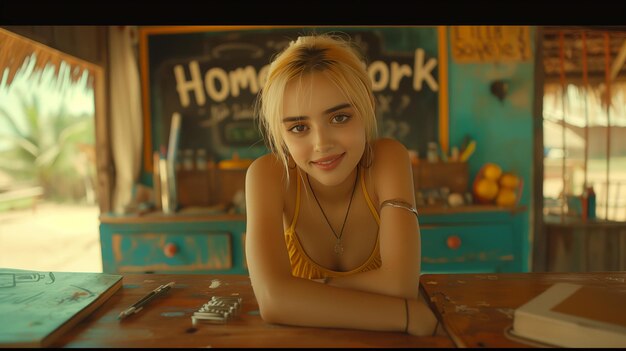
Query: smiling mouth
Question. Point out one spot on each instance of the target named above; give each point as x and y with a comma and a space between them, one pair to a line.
327, 160
328, 163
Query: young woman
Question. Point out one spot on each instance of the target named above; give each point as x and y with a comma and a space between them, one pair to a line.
332, 232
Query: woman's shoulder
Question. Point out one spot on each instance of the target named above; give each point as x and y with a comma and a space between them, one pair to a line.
389, 148
267, 171
391, 158
266, 165
391, 170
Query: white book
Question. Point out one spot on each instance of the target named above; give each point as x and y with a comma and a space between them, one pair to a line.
572, 315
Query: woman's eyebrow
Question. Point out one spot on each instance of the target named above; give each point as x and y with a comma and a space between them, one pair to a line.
338, 107
327, 111
295, 119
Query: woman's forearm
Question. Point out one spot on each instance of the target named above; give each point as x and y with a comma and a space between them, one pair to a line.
380, 281
307, 303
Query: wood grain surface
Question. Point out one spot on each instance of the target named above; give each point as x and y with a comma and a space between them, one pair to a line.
166, 321
477, 309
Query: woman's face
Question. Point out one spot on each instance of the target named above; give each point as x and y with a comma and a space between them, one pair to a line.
322, 130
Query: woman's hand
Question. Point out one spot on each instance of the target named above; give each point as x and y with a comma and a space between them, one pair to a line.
422, 320
440, 331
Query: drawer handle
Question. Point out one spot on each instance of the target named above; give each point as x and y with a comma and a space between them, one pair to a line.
454, 242
170, 249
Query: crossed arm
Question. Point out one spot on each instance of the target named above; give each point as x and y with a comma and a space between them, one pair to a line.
372, 300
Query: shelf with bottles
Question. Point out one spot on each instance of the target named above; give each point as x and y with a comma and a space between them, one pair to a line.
202, 182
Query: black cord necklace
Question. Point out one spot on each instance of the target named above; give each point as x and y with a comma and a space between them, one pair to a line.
338, 245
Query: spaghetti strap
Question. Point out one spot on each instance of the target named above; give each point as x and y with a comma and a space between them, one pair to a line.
302, 265
296, 211
368, 200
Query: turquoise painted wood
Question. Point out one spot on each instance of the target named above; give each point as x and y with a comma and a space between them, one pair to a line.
503, 129
488, 242
178, 246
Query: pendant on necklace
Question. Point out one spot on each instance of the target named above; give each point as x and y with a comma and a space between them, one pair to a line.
338, 247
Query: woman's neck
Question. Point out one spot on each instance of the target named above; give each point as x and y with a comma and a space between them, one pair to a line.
333, 193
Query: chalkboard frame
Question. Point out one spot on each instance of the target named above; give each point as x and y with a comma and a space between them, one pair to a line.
145, 34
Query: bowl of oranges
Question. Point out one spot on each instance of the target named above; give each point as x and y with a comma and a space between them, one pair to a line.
492, 185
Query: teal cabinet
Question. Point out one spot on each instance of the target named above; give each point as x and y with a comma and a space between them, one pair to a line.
472, 239
168, 244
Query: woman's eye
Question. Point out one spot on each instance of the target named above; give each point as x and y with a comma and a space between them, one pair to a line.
298, 128
340, 118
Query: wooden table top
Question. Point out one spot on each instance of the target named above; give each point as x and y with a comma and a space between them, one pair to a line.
476, 309
166, 321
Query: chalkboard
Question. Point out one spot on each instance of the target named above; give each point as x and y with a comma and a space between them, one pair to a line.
211, 76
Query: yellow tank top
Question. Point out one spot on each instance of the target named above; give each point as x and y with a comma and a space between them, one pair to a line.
303, 266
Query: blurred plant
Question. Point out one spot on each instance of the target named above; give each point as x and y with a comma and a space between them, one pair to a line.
43, 148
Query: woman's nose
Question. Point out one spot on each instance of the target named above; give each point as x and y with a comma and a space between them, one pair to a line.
323, 141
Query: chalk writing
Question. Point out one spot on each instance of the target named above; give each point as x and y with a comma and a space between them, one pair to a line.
220, 84
490, 43
213, 78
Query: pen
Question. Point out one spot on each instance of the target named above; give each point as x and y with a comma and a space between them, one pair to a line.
138, 306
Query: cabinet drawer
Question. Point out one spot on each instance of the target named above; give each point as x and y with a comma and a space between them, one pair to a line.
171, 252
467, 248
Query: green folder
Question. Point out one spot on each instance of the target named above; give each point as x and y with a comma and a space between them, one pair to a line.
36, 307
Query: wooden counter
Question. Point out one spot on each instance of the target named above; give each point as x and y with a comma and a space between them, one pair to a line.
476, 309
166, 321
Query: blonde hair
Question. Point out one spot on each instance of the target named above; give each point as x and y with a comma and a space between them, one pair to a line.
342, 63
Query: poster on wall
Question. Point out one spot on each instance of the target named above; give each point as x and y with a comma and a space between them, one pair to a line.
211, 76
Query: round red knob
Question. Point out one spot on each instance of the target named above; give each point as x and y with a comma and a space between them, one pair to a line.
170, 249
454, 242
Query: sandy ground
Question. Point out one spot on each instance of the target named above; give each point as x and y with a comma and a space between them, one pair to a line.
52, 237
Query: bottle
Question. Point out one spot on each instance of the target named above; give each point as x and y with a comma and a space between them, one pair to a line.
591, 203
201, 161
188, 162
584, 200
432, 153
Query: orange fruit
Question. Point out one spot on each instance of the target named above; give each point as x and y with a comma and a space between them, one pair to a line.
492, 171
486, 189
506, 197
509, 180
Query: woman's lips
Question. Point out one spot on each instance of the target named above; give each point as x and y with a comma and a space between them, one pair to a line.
328, 163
